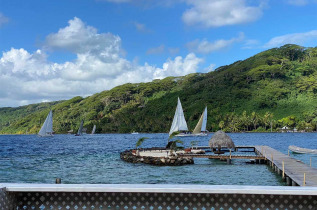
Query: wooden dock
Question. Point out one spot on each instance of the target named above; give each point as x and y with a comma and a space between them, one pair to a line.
224, 157
295, 171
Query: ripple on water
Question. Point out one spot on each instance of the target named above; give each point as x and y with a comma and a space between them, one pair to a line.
96, 159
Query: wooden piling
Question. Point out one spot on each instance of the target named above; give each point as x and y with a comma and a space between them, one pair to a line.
283, 174
58, 181
310, 162
304, 183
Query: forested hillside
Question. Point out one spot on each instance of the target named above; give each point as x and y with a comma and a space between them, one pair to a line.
277, 88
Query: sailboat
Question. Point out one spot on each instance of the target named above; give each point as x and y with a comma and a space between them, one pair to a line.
179, 123
80, 130
47, 127
300, 150
93, 130
200, 129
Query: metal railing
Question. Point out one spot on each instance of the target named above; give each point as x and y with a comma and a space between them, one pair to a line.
147, 196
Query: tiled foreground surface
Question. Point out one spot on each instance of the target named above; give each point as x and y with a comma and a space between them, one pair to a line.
79, 198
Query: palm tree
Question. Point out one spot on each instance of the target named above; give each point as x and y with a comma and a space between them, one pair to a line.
140, 141
174, 146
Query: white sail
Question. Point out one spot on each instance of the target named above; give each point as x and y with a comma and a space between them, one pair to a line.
80, 130
201, 125
204, 124
47, 127
93, 130
179, 122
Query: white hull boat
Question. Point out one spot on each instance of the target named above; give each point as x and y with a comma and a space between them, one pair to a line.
300, 150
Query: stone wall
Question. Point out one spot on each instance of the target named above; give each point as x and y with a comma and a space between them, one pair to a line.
159, 161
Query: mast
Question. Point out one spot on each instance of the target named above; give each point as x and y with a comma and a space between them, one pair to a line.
179, 122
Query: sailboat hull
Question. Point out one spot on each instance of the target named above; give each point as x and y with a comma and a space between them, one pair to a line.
191, 134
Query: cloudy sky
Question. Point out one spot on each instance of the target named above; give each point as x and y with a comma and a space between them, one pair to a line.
53, 50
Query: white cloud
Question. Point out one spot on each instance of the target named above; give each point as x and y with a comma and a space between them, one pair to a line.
296, 38
251, 44
173, 50
30, 77
215, 13
3, 19
156, 50
141, 27
178, 67
205, 47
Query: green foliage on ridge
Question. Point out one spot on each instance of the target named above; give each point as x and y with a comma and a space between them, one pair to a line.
274, 88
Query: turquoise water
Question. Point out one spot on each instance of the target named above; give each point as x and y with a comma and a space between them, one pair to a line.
95, 159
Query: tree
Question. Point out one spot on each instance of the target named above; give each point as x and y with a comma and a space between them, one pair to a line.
254, 119
174, 146
140, 141
221, 124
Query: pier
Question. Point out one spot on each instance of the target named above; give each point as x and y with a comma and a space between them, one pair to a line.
293, 171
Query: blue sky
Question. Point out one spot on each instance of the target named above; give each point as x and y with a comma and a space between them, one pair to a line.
53, 50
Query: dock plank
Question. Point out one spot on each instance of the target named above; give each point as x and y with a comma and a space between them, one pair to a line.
293, 168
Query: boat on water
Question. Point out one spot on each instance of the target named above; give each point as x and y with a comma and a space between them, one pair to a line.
300, 150
135, 132
93, 130
200, 129
80, 130
179, 123
47, 127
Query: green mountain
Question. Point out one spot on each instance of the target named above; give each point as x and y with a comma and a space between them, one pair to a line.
274, 88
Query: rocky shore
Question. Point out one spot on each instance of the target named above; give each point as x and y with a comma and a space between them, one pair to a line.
132, 157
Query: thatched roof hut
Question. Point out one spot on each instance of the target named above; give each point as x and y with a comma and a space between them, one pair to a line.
221, 139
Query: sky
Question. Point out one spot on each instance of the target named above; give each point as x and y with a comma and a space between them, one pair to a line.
59, 49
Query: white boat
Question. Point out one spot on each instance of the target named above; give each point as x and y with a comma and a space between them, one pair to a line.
93, 130
179, 123
47, 127
300, 150
135, 132
80, 130
200, 129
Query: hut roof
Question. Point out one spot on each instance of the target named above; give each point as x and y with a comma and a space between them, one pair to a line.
220, 138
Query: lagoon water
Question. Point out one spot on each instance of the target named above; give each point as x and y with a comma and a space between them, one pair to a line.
95, 159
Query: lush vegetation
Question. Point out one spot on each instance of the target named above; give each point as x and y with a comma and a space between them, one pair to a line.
272, 89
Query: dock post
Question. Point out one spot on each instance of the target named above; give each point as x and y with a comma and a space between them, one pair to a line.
283, 173
58, 181
288, 181
257, 161
272, 160
288, 152
228, 161
304, 183
310, 162
230, 154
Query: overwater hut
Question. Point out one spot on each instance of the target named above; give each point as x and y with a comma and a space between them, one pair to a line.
220, 140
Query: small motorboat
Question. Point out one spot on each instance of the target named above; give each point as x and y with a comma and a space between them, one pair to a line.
300, 150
